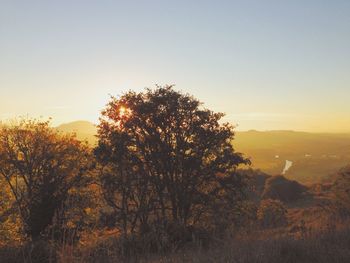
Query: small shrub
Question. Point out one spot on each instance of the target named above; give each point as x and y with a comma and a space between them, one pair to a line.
280, 188
272, 213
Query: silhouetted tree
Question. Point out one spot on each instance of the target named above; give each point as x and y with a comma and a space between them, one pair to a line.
166, 158
40, 166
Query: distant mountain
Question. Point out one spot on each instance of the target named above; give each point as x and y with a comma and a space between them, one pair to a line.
314, 156
84, 130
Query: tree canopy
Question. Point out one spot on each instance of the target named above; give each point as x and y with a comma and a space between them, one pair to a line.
166, 158
40, 166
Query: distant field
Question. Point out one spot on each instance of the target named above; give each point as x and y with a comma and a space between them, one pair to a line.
315, 156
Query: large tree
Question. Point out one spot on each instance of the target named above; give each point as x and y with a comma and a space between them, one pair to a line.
40, 166
166, 157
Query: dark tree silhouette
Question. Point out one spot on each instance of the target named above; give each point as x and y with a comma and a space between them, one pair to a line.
165, 158
40, 166
283, 189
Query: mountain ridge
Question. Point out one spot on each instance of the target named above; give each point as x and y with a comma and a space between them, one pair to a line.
315, 156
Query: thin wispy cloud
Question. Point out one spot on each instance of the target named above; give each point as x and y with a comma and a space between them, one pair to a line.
58, 108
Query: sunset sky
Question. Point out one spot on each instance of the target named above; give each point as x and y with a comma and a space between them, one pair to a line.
267, 64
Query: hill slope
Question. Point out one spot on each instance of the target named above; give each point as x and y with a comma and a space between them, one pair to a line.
84, 130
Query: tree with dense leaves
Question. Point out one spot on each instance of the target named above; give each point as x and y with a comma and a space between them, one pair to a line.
166, 158
40, 166
9, 225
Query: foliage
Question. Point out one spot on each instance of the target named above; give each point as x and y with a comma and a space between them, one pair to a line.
256, 183
341, 191
272, 213
40, 166
164, 158
278, 187
9, 221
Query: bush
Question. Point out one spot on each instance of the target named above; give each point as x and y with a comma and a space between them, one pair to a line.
272, 213
278, 187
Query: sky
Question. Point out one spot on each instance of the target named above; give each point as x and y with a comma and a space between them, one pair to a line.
268, 64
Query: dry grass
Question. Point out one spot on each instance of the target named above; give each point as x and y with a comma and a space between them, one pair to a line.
330, 246
312, 235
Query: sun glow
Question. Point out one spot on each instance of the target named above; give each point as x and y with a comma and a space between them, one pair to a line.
123, 111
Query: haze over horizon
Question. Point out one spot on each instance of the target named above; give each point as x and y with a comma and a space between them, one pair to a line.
84, 126
268, 65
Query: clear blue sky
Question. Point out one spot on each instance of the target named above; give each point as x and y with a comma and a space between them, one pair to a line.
267, 64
